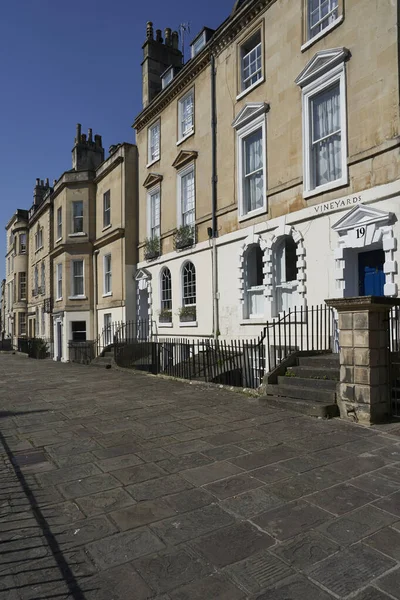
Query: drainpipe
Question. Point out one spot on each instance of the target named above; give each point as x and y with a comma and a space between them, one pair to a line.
214, 180
95, 293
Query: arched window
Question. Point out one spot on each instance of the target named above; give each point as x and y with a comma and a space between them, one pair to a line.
254, 284
285, 273
166, 289
189, 284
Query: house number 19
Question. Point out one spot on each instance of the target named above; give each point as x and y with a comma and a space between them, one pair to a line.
360, 232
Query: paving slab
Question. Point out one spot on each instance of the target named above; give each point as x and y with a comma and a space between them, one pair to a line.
167, 571
249, 504
358, 524
387, 541
214, 586
390, 583
291, 519
357, 567
259, 572
295, 588
162, 486
306, 550
123, 547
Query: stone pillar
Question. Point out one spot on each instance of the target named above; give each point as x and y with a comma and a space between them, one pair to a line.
363, 394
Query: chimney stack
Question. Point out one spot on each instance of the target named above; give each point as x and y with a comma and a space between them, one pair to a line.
39, 191
87, 154
157, 57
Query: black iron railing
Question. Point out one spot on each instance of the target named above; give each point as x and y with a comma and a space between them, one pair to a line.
236, 362
35, 347
394, 360
82, 352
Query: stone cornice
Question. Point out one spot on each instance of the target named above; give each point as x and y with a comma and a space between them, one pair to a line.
109, 168
109, 237
224, 35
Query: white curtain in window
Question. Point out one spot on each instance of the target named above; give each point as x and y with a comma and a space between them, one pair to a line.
326, 136
187, 184
187, 115
155, 214
253, 167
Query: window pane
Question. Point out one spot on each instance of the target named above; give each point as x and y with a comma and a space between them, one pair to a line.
77, 216
251, 61
166, 290
186, 110
320, 14
326, 136
154, 142
188, 198
189, 284
106, 209
78, 277
155, 214
253, 191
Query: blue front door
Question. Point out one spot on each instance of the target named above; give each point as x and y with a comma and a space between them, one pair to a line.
371, 277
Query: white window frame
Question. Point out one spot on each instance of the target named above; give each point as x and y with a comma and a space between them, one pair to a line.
59, 274
81, 232
182, 173
73, 295
242, 133
36, 280
107, 209
185, 286
314, 88
165, 291
107, 275
167, 77
22, 286
242, 55
254, 290
21, 330
331, 22
150, 228
22, 245
59, 223
153, 157
198, 44
184, 134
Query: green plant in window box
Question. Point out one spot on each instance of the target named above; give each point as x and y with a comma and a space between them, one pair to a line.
187, 314
165, 315
184, 237
152, 248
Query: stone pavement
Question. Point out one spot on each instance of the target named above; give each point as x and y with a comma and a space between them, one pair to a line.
119, 486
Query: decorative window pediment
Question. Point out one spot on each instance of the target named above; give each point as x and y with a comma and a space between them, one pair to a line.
184, 157
322, 62
249, 112
142, 274
361, 215
152, 179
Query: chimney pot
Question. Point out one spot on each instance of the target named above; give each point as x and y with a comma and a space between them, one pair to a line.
158, 36
54, 182
167, 35
78, 133
83, 138
37, 181
89, 134
175, 40
47, 182
42, 182
149, 30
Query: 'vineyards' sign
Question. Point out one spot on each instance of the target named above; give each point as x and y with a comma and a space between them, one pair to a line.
335, 204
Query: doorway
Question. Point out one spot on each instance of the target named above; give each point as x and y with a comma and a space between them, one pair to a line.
59, 340
371, 278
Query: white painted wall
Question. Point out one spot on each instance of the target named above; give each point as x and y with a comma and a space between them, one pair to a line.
320, 241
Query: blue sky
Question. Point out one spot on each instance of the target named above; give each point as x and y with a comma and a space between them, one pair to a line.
73, 62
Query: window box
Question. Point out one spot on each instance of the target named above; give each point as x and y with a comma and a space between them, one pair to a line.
184, 237
165, 316
152, 248
187, 314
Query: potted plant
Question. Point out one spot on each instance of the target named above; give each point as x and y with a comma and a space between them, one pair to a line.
165, 315
151, 248
184, 237
187, 314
